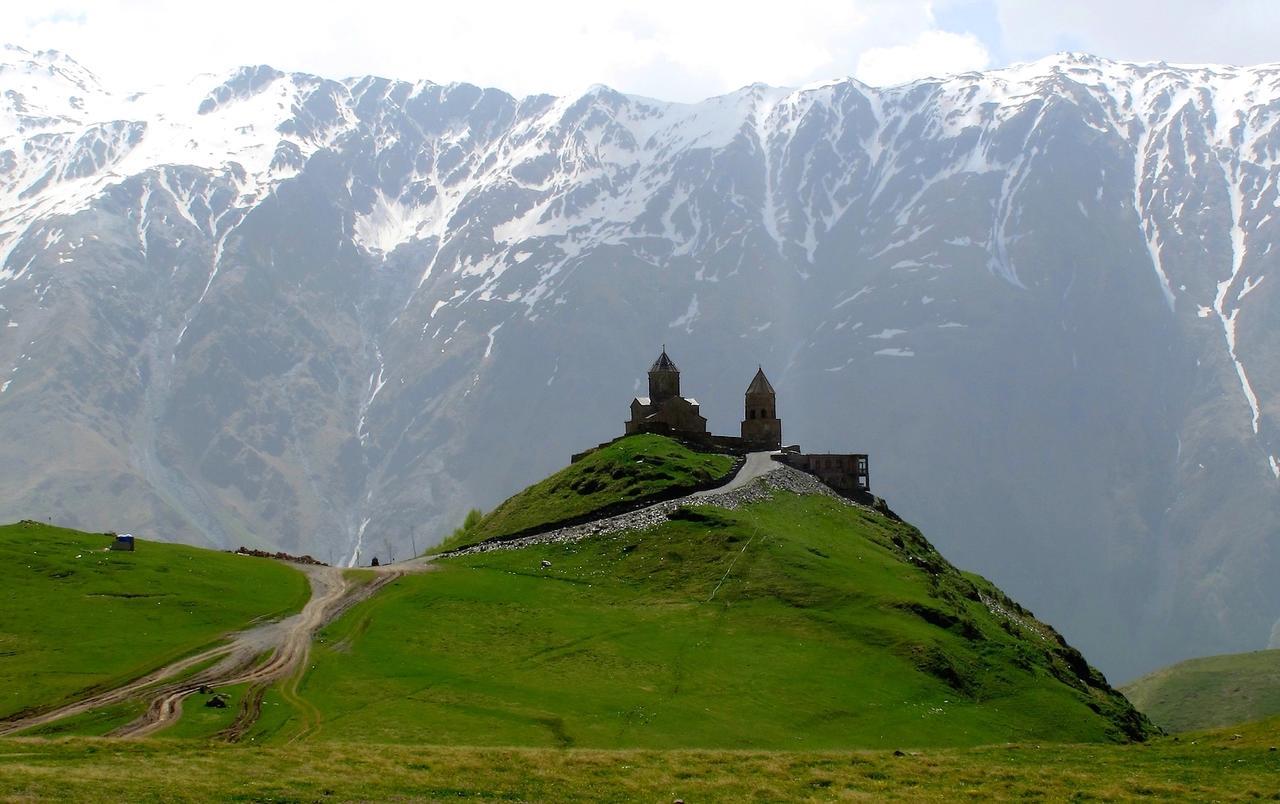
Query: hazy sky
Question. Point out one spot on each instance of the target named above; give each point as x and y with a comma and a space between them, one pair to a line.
671, 49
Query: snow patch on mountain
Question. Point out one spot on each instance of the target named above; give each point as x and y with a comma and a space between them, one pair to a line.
390, 223
688, 317
79, 138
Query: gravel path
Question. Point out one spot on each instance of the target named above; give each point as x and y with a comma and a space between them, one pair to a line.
757, 464
758, 480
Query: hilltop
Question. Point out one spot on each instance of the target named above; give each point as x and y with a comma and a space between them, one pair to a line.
791, 643
791, 620
775, 615
1210, 692
614, 476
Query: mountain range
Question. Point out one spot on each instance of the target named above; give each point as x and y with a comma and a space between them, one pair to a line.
330, 316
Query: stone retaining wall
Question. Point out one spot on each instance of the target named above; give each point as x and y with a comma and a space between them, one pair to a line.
783, 478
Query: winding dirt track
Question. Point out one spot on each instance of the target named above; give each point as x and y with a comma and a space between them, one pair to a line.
286, 644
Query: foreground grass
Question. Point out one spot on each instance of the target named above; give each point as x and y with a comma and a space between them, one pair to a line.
788, 624
75, 618
631, 469
1213, 767
1210, 692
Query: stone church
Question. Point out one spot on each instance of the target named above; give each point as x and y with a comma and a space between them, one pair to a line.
666, 412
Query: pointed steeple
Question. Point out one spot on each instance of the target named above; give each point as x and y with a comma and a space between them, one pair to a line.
664, 363
760, 384
761, 427
664, 379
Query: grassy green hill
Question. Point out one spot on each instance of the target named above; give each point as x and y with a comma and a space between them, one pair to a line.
1210, 692
630, 469
786, 648
794, 623
75, 618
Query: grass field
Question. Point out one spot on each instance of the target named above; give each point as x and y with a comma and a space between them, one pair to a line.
1204, 767
1211, 692
790, 624
796, 649
628, 470
74, 618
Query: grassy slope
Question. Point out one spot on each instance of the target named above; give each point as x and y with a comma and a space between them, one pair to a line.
74, 618
1211, 767
1210, 692
796, 623
627, 470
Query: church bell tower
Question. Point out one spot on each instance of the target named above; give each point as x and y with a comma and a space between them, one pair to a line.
664, 380
761, 427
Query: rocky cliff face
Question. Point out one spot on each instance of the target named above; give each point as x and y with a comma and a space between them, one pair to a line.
330, 316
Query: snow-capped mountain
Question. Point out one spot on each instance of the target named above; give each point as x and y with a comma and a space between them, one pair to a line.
330, 316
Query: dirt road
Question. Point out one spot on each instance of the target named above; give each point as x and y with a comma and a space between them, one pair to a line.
757, 464
285, 645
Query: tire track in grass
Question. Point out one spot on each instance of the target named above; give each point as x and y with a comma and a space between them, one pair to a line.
287, 643
333, 594
248, 714
310, 715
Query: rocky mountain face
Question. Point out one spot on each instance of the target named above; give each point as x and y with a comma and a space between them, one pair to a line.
330, 316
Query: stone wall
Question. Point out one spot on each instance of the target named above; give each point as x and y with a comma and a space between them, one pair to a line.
782, 478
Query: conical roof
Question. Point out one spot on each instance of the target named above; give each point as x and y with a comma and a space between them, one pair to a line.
760, 384
664, 363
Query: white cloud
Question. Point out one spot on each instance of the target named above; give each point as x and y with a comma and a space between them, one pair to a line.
673, 49
1185, 31
933, 53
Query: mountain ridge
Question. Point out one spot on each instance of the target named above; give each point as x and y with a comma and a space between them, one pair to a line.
319, 337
